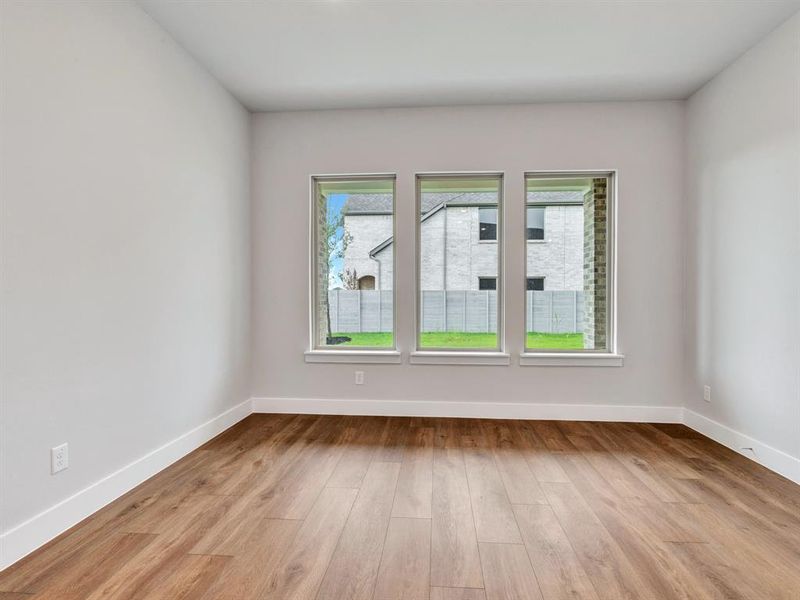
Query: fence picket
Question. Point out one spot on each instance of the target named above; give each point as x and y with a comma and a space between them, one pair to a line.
551, 311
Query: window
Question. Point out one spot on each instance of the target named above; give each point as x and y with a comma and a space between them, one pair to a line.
367, 282
353, 261
487, 223
534, 227
458, 277
573, 314
487, 283
535, 284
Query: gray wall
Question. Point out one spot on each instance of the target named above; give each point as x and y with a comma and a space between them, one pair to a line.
743, 223
643, 140
124, 180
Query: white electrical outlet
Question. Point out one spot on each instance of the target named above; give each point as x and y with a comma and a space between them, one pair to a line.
59, 458
707, 393
359, 377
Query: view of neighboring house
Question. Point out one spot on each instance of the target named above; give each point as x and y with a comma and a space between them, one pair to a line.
554, 237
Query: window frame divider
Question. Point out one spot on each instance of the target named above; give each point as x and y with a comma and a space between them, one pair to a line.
612, 209
313, 348
418, 354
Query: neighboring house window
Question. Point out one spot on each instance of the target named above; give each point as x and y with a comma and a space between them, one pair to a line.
451, 312
535, 284
347, 310
367, 282
488, 223
487, 283
574, 314
534, 226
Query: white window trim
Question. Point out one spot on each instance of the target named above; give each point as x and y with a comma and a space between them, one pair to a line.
466, 357
477, 357
319, 353
611, 356
571, 359
394, 357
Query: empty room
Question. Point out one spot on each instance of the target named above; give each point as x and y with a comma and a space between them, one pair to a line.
400, 300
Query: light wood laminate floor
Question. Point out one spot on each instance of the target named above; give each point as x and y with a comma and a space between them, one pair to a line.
352, 508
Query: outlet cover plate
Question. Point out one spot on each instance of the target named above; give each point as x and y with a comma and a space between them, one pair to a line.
59, 458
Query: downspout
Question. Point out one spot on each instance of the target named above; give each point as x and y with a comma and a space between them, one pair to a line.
379, 289
444, 253
444, 269
380, 277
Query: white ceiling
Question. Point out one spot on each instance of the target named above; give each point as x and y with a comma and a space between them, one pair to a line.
292, 55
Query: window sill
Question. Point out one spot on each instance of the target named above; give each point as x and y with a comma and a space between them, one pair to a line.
431, 357
354, 356
567, 359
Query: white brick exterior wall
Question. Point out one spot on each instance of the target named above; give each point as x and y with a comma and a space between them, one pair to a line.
367, 231
467, 257
558, 258
432, 252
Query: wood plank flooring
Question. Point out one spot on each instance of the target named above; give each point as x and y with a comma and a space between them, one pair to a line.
306, 507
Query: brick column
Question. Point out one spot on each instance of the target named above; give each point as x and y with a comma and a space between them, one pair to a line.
595, 258
322, 270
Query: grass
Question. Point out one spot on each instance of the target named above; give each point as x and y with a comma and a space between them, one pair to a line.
555, 341
459, 339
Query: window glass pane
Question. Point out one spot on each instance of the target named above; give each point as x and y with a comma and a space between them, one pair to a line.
488, 223
458, 274
535, 224
487, 283
354, 222
535, 284
571, 314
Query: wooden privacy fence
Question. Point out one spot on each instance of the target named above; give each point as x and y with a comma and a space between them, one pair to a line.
473, 311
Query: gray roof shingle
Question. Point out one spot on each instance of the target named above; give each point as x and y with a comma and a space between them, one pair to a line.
555, 197
381, 204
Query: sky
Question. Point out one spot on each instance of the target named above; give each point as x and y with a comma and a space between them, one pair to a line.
335, 205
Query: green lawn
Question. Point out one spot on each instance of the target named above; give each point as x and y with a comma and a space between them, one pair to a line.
555, 341
458, 339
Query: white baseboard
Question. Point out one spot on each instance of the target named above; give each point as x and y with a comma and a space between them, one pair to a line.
771, 458
479, 410
37, 531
